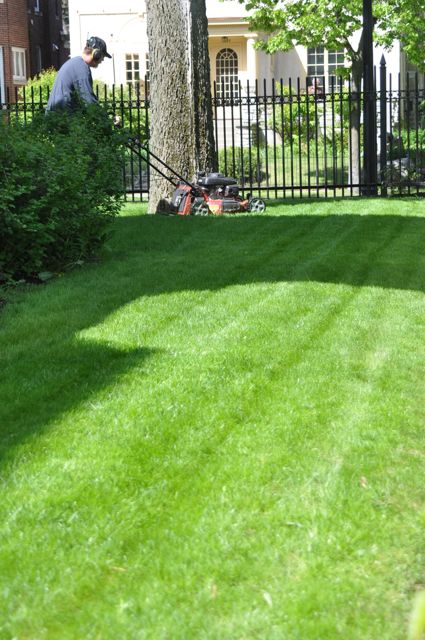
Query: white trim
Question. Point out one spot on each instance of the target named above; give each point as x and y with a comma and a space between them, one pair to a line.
19, 65
2, 84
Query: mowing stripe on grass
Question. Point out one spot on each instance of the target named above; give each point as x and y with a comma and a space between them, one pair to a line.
217, 431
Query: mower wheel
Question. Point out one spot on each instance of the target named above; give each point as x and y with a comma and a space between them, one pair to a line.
257, 205
200, 209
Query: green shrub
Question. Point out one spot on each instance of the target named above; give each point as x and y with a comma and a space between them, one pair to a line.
126, 102
301, 117
60, 187
32, 98
39, 87
244, 164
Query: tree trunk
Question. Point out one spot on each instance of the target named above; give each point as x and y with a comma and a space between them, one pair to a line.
181, 117
355, 111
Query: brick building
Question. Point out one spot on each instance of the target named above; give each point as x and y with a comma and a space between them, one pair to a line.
14, 45
47, 35
33, 36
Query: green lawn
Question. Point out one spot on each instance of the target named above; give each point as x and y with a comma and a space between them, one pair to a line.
217, 431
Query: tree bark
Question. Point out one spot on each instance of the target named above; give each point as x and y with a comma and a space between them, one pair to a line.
181, 117
355, 112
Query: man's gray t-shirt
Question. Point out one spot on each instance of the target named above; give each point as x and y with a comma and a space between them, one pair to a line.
74, 82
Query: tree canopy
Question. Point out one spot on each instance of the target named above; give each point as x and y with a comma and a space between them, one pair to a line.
331, 23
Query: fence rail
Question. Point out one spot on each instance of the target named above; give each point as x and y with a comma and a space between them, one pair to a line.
291, 140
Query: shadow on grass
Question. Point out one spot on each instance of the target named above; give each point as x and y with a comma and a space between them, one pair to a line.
150, 255
356, 250
44, 386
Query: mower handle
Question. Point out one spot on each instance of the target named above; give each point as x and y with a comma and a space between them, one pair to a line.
135, 141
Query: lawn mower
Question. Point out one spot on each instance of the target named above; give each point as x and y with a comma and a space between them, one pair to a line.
213, 192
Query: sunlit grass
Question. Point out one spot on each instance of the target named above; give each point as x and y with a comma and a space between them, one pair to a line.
217, 431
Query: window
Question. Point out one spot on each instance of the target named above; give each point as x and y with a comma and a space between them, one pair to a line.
321, 67
335, 61
38, 59
316, 67
227, 74
132, 68
19, 66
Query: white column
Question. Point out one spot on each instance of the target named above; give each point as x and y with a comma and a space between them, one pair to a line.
251, 61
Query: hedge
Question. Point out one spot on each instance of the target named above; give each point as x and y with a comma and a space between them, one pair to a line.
60, 188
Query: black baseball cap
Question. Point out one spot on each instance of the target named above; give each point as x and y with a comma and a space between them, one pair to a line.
97, 43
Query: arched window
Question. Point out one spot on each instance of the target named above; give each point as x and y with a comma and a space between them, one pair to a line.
227, 74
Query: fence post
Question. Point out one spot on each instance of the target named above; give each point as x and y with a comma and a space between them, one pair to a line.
370, 173
383, 125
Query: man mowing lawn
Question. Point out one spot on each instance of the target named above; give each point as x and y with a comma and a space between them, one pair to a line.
74, 82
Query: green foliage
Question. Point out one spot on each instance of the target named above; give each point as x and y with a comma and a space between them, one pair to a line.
32, 98
244, 164
320, 23
60, 187
402, 20
297, 115
301, 117
38, 87
399, 178
311, 22
414, 140
126, 102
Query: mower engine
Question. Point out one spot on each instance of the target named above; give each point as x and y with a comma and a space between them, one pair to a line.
222, 195
221, 192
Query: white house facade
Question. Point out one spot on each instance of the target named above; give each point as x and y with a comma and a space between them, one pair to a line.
233, 57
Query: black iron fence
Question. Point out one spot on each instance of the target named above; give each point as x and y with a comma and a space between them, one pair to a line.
308, 140
293, 140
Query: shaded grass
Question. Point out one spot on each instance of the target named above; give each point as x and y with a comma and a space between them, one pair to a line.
217, 432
